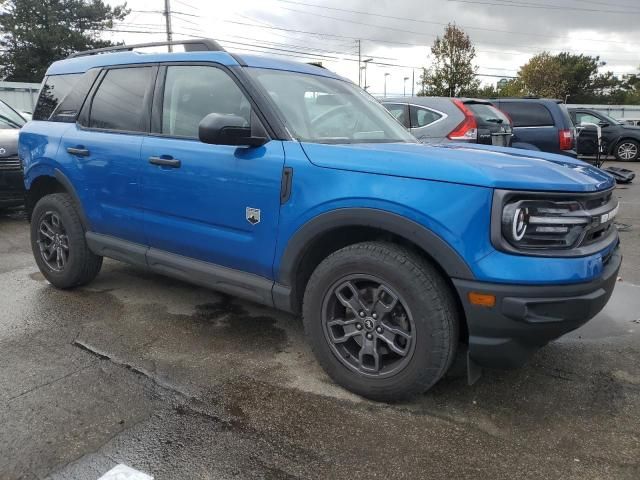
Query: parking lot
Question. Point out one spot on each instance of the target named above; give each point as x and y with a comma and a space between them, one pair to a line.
184, 383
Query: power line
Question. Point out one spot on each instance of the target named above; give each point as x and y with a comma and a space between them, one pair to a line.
403, 30
468, 27
546, 6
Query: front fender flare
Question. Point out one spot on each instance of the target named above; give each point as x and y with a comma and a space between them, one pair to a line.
442, 253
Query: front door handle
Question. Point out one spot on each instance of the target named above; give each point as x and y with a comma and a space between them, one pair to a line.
78, 151
165, 162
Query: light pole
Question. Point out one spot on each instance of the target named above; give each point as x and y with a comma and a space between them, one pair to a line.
404, 88
385, 84
366, 62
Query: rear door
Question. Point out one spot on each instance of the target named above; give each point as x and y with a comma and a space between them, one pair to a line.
425, 122
104, 148
218, 204
533, 126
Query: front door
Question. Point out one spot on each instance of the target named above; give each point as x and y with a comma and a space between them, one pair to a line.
587, 143
215, 203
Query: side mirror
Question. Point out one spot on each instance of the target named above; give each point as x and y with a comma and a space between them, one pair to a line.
603, 124
218, 129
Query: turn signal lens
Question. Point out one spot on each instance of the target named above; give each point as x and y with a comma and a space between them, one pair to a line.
482, 299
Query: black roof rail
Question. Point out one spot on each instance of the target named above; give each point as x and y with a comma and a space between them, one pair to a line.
197, 45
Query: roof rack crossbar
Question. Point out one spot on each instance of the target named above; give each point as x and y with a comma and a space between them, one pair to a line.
198, 45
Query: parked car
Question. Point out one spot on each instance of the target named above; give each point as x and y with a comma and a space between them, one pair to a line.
619, 139
11, 181
539, 124
443, 120
229, 171
634, 122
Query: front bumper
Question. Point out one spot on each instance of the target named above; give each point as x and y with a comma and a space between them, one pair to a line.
526, 317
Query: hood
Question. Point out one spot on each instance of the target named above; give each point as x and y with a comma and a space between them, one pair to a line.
9, 141
484, 166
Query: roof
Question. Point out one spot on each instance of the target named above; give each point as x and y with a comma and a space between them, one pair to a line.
83, 63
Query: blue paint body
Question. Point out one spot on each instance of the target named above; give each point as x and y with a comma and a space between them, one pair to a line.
198, 211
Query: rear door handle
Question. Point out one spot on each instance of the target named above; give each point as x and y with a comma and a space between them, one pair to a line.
78, 151
165, 162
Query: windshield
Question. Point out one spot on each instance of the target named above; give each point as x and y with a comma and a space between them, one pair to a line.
326, 110
9, 118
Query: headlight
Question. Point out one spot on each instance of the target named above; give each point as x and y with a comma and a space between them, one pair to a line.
532, 224
553, 224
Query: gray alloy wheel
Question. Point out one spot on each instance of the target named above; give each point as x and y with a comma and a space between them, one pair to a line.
627, 151
368, 326
53, 241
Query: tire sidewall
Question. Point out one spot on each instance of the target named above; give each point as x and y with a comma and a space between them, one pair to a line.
75, 235
426, 365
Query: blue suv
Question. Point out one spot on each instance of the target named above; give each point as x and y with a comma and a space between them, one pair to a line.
287, 185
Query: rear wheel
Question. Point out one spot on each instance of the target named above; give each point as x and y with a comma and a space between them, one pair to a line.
627, 151
59, 245
382, 321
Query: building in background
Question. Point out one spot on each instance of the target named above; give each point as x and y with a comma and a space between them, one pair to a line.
19, 95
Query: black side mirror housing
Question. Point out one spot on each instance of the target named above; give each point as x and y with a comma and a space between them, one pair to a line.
218, 129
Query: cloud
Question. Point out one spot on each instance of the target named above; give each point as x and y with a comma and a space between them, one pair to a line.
504, 32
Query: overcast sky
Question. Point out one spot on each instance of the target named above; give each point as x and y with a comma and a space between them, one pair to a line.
398, 33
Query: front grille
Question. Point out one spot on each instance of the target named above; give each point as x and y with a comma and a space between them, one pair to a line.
12, 163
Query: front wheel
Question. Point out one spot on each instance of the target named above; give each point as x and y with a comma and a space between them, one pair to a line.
59, 245
382, 321
627, 151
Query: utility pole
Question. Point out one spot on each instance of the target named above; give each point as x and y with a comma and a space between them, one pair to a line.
413, 81
359, 64
404, 88
167, 14
385, 84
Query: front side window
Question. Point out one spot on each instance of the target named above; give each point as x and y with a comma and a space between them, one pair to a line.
327, 110
119, 101
421, 117
193, 92
53, 91
582, 118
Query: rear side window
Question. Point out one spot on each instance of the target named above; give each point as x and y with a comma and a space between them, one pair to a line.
527, 114
119, 101
54, 90
487, 114
400, 111
421, 117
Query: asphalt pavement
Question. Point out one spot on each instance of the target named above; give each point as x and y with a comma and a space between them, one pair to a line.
183, 383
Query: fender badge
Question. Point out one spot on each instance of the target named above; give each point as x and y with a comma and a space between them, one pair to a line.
253, 215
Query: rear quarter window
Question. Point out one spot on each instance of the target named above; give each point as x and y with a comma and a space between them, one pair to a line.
54, 89
525, 114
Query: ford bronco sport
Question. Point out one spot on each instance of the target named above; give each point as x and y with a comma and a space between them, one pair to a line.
285, 184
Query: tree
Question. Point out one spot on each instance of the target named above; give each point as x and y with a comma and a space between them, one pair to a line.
452, 72
35, 33
566, 75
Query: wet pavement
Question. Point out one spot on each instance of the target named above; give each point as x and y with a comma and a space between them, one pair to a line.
184, 383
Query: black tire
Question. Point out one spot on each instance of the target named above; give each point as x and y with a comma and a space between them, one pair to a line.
81, 265
627, 150
430, 306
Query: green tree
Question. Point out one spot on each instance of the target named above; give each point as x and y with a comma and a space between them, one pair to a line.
566, 75
452, 72
35, 33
